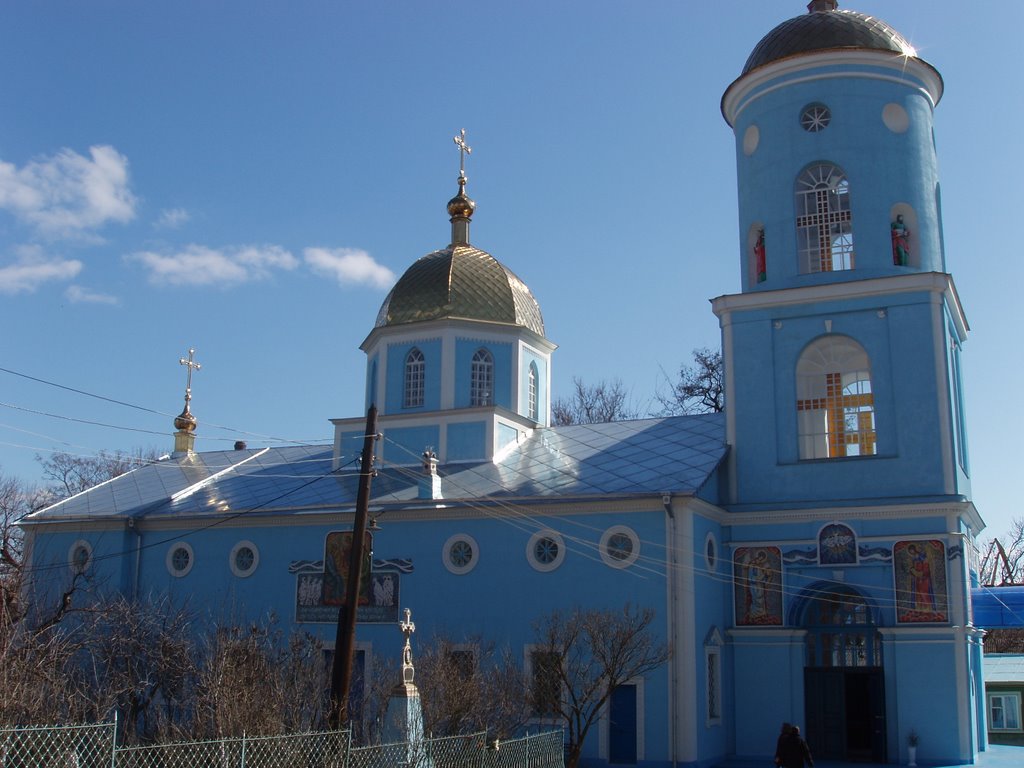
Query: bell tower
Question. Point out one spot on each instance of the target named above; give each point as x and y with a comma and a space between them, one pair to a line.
842, 350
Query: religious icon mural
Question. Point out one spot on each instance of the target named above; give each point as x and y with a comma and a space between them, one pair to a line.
757, 586
837, 545
337, 551
382, 589
920, 572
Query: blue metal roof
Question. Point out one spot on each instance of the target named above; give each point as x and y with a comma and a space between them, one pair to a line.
996, 607
626, 458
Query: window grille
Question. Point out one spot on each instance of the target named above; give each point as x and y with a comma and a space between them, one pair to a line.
824, 220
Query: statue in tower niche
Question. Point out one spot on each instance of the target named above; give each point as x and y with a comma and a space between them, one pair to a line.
900, 242
759, 258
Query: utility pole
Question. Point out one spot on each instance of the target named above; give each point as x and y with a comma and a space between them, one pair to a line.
345, 640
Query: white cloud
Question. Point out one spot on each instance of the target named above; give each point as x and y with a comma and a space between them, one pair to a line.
68, 194
349, 266
172, 218
199, 265
32, 268
76, 294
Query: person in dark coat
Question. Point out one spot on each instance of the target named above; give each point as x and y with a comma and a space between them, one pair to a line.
793, 751
783, 733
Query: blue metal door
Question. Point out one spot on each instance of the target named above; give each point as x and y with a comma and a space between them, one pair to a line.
622, 725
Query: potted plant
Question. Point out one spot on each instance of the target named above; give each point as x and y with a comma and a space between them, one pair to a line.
912, 749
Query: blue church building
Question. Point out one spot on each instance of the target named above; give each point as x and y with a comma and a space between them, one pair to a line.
809, 552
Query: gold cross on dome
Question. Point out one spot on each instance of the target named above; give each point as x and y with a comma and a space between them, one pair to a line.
192, 365
464, 149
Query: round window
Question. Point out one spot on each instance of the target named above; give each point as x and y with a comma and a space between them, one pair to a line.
620, 546
80, 556
243, 559
180, 559
815, 118
546, 550
710, 552
460, 554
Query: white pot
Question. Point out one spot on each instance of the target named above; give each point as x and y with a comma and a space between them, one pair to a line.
912, 757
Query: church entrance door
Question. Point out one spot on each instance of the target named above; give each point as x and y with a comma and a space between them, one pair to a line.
845, 713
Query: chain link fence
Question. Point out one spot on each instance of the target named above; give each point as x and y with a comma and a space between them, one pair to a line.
95, 746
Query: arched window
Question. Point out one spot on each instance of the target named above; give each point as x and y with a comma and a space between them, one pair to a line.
532, 393
824, 225
835, 405
841, 630
481, 386
415, 367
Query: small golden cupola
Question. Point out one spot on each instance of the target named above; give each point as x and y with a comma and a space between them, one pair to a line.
461, 207
185, 423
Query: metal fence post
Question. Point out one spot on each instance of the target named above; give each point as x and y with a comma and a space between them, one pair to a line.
113, 742
243, 751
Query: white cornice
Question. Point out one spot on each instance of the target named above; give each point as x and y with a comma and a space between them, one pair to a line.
451, 326
937, 283
965, 509
755, 84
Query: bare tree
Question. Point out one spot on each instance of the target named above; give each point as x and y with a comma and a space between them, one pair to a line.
257, 680
594, 404
471, 687
68, 474
1003, 561
699, 388
139, 658
589, 654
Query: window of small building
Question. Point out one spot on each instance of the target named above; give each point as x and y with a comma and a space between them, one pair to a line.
1004, 712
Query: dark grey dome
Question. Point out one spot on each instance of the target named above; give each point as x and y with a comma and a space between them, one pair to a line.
823, 31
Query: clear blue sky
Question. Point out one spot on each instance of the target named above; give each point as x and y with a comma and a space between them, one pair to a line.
248, 178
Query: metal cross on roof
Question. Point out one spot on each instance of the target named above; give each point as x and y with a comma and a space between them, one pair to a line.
192, 365
464, 149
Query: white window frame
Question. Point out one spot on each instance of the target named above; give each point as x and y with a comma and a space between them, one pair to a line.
481, 378
169, 561
531, 550
605, 547
460, 538
1013, 696
243, 573
415, 379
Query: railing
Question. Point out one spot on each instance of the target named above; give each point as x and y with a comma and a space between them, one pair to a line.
94, 746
